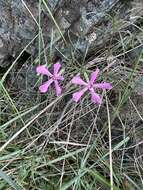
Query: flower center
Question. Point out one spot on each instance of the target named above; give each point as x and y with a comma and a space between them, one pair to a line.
90, 86
54, 77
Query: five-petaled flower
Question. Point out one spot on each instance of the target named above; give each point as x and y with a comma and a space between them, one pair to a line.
90, 86
53, 78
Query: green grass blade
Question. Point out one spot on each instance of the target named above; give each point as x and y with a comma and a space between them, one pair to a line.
17, 117
101, 179
10, 156
9, 181
50, 13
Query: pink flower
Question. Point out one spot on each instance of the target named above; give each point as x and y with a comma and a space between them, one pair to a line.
54, 78
90, 86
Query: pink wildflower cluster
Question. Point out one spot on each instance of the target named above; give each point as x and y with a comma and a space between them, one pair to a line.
89, 86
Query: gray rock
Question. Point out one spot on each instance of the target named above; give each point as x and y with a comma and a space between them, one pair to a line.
83, 22
17, 28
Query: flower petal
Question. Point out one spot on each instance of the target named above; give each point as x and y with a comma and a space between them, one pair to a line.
58, 88
44, 87
95, 98
77, 95
56, 67
78, 80
93, 76
103, 85
43, 70
60, 77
